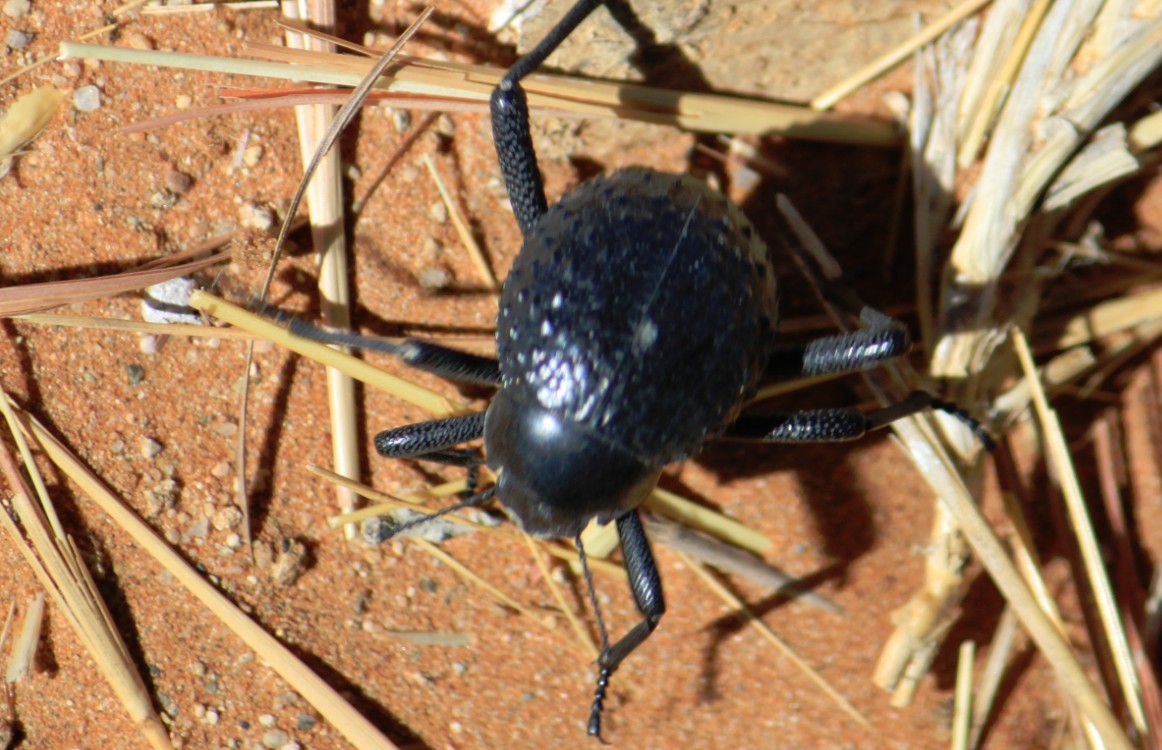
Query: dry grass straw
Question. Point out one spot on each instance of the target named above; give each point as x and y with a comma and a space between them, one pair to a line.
897, 55
475, 252
417, 84
61, 570
1081, 61
963, 698
740, 609
24, 649
328, 233
1091, 556
936, 466
30, 298
330, 705
24, 120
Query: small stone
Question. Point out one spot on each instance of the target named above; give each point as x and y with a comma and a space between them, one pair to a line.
183, 101
134, 374
234, 541
221, 470
137, 40
16, 39
438, 212
212, 717
434, 279
227, 429
199, 529
87, 99
16, 8
292, 745
459, 667
455, 727
252, 216
150, 447
290, 563
428, 585
446, 126
173, 536
402, 119
252, 155
266, 720
305, 722
198, 668
169, 302
147, 344
162, 199
227, 518
177, 182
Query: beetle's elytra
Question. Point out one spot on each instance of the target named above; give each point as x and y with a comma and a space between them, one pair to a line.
636, 319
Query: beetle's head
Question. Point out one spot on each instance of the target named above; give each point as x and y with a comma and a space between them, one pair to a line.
553, 475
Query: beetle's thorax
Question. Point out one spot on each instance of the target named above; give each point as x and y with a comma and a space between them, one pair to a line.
555, 475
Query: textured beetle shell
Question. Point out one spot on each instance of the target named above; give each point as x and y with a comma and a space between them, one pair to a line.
641, 307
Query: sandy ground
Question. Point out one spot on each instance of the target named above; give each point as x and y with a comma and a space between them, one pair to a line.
161, 427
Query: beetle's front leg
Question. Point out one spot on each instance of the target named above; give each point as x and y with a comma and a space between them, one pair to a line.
510, 123
646, 585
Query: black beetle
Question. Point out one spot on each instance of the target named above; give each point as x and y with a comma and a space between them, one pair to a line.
634, 326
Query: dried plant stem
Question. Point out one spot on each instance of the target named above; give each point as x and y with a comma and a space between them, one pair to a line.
963, 698
341, 715
475, 252
328, 234
464, 572
584, 637
899, 54
1087, 542
262, 328
424, 79
61, 571
769, 635
385, 504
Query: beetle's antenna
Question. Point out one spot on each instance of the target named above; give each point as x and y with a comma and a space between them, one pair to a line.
603, 672
303, 329
475, 501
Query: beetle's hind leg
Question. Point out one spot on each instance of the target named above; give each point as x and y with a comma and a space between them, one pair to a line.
883, 339
646, 585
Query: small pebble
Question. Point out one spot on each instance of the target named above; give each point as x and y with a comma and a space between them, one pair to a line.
16, 8
134, 374
163, 199
198, 668
459, 667
252, 155
227, 429
87, 98
402, 119
438, 212
177, 182
304, 722
227, 518
290, 563
455, 727
183, 101
233, 541
16, 39
252, 216
173, 536
266, 720
150, 447
212, 717
275, 739
434, 278
446, 126
221, 470
137, 40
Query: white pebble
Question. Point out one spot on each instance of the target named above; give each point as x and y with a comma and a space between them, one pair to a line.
87, 98
150, 447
